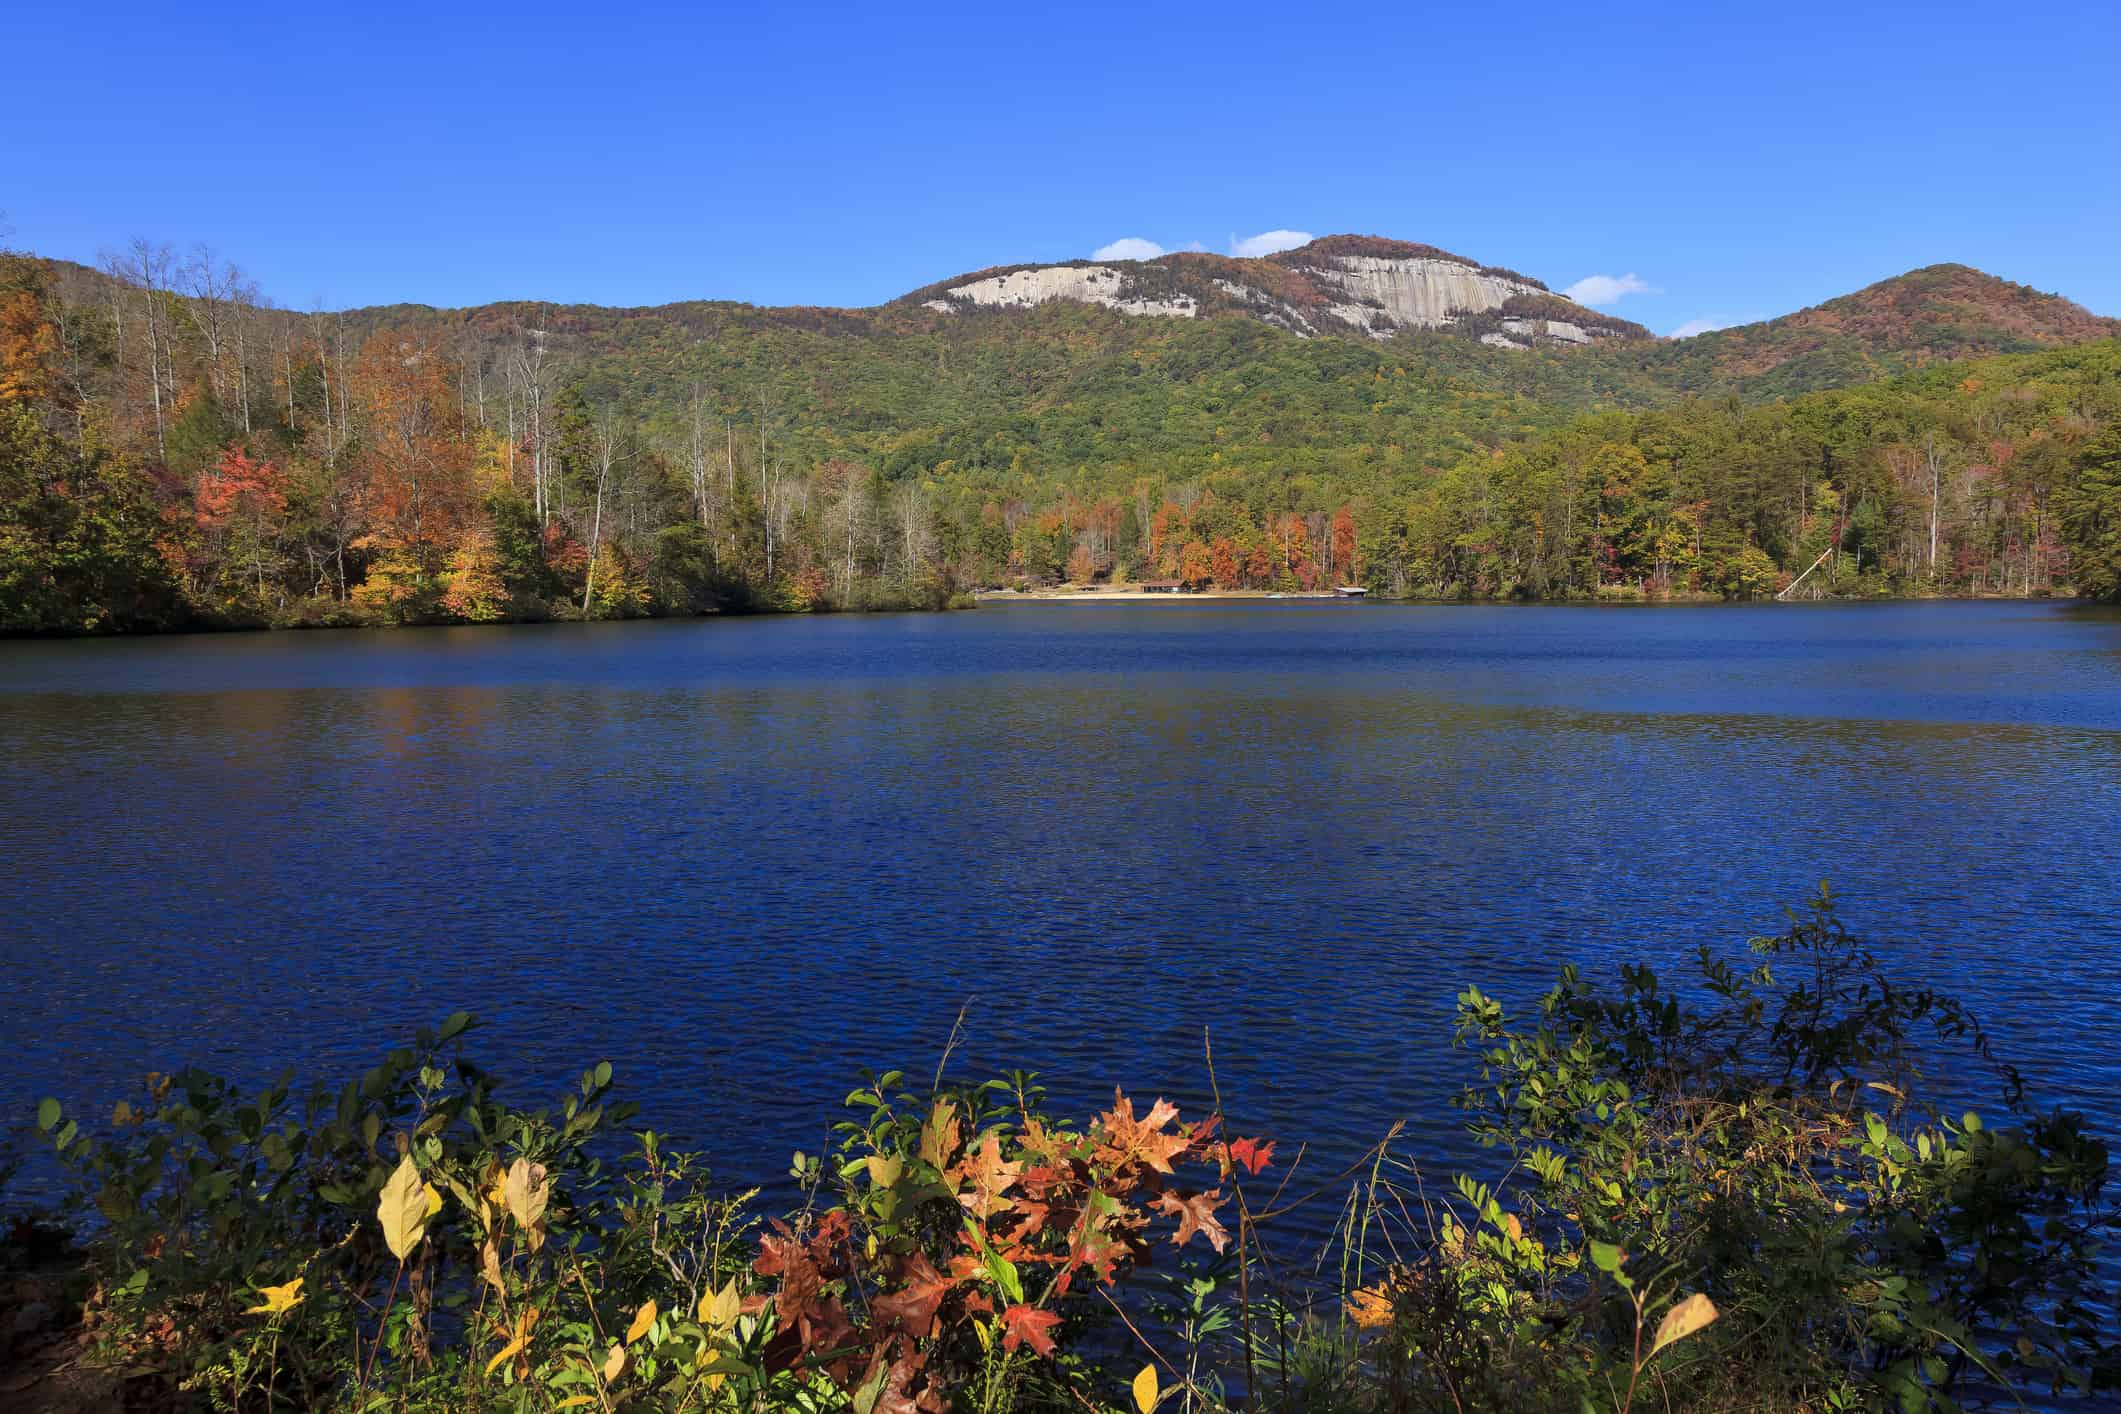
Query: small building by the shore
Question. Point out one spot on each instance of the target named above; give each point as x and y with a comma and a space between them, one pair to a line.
1163, 586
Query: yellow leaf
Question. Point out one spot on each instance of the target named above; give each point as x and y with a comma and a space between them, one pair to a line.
1145, 1389
642, 1320
515, 1347
614, 1364
405, 1207
574, 1401
721, 1308
518, 1340
278, 1299
1370, 1306
1683, 1320
884, 1172
495, 1193
939, 1135
525, 1192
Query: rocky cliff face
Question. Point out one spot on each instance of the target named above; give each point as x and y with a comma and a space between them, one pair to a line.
1383, 293
1087, 284
1346, 285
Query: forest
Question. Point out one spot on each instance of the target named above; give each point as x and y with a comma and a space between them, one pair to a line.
176, 452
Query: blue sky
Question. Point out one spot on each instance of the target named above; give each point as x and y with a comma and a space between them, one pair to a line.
1711, 163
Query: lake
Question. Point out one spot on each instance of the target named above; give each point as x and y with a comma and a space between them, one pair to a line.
743, 859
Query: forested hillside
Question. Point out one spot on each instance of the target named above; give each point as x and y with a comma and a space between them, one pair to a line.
175, 452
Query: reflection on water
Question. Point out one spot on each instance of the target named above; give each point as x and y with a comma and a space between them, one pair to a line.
743, 860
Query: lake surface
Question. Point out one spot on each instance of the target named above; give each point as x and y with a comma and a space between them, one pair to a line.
743, 860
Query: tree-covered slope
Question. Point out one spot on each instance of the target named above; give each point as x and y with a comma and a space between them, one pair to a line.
176, 451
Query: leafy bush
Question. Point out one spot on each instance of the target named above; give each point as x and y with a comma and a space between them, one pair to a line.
1763, 1157
1731, 1196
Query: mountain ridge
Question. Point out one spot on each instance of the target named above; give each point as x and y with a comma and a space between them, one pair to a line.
1370, 286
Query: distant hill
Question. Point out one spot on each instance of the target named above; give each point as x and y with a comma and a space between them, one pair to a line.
1936, 312
1339, 360
1355, 408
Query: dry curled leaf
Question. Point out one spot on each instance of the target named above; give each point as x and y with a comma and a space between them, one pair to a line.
525, 1192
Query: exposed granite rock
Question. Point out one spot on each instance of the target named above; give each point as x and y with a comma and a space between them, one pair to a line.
1359, 285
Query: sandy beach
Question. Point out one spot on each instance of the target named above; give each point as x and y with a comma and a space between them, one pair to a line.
1131, 594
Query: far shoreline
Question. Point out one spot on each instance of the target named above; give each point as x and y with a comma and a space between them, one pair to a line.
1132, 595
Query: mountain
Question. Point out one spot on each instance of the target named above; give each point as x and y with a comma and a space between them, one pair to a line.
1909, 321
171, 452
1360, 285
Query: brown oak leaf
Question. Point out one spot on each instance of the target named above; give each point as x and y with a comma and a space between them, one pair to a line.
1195, 1213
913, 1307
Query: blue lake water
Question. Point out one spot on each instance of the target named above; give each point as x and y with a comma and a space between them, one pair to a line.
744, 859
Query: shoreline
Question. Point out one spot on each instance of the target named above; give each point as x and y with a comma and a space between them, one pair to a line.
1134, 595
1674, 601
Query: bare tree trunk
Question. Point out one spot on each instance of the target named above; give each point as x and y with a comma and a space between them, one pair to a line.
323, 379
699, 457
607, 456
146, 269
1936, 471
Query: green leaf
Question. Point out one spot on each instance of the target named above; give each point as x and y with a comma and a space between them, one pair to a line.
47, 1115
454, 1025
866, 1397
1607, 1257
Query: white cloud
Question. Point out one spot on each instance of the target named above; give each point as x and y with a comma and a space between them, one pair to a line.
1609, 289
1268, 242
1697, 326
1128, 248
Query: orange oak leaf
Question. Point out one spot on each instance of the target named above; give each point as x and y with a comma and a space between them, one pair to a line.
1034, 1220
1123, 1139
939, 1136
1027, 1325
990, 1177
1254, 1154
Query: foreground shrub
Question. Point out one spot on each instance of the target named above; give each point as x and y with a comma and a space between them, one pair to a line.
1759, 1176
1734, 1197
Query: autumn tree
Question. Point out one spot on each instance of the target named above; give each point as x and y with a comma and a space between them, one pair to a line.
415, 459
473, 589
2091, 517
1344, 560
238, 506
